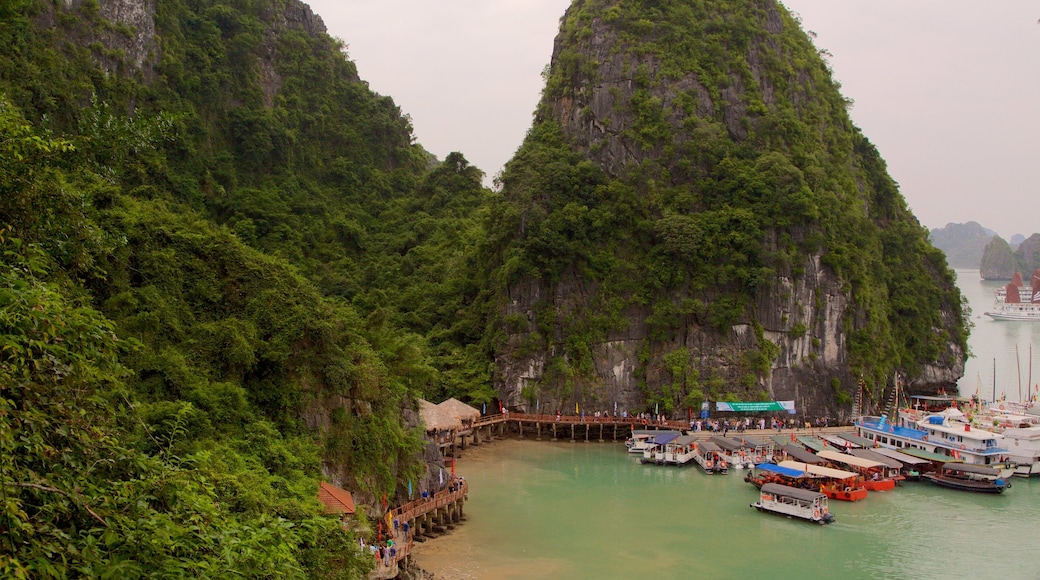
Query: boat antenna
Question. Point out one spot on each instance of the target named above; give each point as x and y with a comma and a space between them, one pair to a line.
1018, 367
994, 379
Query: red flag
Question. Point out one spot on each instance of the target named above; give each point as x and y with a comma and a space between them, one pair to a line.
453, 467
384, 500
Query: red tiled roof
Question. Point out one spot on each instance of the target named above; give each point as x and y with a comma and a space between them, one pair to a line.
336, 500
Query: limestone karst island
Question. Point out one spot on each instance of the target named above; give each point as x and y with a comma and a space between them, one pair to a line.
249, 325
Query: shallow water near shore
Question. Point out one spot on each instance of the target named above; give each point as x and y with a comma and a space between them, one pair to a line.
540, 509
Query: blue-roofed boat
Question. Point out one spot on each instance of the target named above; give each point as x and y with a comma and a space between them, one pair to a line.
764, 473
655, 447
942, 434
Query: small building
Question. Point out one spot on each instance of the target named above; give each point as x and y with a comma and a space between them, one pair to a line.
441, 425
336, 500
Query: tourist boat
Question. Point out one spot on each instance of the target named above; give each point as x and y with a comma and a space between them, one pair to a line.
710, 458
969, 477
799, 453
671, 450
944, 434
1013, 307
654, 452
891, 468
1023, 444
794, 503
912, 466
839, 442
638, 442
764, 473
732, 450
759, 450
843, 485
814, 444
871, 472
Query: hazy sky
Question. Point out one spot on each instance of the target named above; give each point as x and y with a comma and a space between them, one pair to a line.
948, 90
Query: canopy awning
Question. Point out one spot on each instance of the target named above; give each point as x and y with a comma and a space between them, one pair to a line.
849, 459
818, 470
783, 490
900, 456
802, 455
873, 456
786, 471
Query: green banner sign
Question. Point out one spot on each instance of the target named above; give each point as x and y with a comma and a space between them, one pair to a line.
756, 407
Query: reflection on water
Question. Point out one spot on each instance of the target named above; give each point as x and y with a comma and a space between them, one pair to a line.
999, 349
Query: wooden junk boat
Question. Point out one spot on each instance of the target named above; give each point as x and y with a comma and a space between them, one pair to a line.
969, 477
794, 503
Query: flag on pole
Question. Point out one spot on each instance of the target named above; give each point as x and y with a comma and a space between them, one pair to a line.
409, 489
575, 407
453, 467
440, 473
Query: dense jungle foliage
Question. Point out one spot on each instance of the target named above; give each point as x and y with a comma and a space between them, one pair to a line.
711, 206
213, 288
230, 272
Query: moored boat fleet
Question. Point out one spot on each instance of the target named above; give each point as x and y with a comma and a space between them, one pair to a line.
798, 474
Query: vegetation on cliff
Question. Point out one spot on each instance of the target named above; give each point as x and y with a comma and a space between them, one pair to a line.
684, 156
228, 271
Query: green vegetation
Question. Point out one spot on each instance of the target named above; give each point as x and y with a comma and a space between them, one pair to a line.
714, 203
229, 272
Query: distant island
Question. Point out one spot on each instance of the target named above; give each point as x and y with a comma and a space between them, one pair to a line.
970, 245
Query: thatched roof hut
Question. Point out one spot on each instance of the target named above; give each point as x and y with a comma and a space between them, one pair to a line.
464, 412
437, 418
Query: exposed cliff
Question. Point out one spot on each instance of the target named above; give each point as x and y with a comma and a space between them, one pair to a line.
693, 216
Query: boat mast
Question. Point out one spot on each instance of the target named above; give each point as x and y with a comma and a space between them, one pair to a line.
1018, 367
994, 379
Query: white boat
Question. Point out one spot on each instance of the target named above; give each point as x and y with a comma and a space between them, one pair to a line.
794, 503
710, 458
1013, 307
942, 433
639, 441
1023, 444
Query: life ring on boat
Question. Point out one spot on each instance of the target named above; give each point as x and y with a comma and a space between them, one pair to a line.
644, 422
1001, 407
816, 513
963, 447
924, 438
848, 490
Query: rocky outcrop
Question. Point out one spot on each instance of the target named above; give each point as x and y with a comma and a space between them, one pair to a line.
645, 123
998, 261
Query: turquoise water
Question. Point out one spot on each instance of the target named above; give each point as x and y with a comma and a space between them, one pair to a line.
589, 510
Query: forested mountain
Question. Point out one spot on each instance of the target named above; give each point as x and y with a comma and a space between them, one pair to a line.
693, 216
963, 244
1001, 262
228, 270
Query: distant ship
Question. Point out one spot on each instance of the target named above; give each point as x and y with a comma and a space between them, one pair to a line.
1009, 304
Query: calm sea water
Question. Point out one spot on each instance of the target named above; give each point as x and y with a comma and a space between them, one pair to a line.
588, 510
1000, 349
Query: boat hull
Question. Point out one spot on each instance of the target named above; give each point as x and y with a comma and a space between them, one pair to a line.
845, 493
967, 485
822, 519
879, 485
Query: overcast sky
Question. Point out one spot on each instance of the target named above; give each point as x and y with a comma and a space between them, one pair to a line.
948, 90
